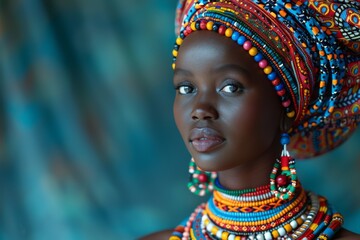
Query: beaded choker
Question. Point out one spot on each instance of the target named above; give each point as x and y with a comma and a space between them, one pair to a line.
258, 214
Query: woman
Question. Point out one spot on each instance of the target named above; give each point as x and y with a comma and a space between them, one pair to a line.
254, 79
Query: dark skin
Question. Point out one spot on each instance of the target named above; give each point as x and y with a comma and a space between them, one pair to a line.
224, 97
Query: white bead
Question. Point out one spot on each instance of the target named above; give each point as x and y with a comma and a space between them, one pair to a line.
252, 237
219, 233
209, 227
281, 231
231, 237
260, 237
268, 236
293, 224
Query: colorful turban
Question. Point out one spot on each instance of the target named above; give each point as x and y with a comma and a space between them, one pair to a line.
309, 51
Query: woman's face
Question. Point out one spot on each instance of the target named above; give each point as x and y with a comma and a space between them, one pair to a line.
226, 110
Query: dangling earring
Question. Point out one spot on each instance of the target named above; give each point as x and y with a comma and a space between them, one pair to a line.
283, 185
200, 182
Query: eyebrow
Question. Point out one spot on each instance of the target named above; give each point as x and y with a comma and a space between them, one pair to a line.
182, 72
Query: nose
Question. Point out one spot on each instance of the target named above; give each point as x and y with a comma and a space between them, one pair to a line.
204, 110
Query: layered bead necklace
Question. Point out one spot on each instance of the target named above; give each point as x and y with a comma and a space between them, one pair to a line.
257, 214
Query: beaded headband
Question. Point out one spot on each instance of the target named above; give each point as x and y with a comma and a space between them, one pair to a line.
309, 50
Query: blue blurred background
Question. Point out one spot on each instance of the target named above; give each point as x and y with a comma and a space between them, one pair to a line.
88, 145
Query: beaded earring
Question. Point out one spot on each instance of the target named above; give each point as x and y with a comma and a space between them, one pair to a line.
200, 182
283, 184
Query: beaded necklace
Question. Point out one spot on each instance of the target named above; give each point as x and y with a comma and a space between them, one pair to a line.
257, 214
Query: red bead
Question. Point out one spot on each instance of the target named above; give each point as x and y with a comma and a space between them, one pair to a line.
281, 180
275, 82
188, 29
203, 25
222, 29
286, 103
285, 161
247, 45
263, 63
281, 92
203, 178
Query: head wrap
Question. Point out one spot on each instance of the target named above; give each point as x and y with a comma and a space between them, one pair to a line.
309, 51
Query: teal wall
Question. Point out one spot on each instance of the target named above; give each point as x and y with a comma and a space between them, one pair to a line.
88, 145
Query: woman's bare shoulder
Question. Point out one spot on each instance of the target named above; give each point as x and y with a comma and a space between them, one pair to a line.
347, 235
163, 235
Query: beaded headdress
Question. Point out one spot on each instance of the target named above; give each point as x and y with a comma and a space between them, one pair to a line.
309, 50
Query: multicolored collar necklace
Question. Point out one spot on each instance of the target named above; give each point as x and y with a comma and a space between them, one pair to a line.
256, 214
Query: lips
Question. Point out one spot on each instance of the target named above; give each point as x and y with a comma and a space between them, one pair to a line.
205, 139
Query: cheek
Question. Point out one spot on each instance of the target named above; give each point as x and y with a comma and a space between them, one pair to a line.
179, 116
267, 122
252, 122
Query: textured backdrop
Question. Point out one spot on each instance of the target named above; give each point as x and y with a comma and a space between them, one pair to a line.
88, 145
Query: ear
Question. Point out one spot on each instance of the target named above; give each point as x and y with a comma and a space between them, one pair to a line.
285, 122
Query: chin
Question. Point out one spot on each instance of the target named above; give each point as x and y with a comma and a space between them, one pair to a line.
209, 163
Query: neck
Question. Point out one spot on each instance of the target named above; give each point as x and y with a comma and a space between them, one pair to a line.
245, 177
249, 175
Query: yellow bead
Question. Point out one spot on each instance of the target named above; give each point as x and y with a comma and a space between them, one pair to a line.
224, 236
275, 234
313, 226
173, 66
299, 221
237, 238
193, 26
291, 114
268, 70
174, 238
175, 53
179, 41
253, 51
228, 32
288, 227
214, 230
209, 25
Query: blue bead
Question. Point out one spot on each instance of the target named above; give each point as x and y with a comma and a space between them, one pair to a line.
258, 57
241, 40
285, 139
215, 28
235, 36
279, 87
271, 76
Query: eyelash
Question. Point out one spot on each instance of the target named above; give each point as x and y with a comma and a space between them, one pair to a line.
185, 85
228, 83
239, 88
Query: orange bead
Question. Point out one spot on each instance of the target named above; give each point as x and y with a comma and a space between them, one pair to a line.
228, 32
253, 51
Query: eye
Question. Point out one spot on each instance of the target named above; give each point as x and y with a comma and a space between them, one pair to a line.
185, 89
232, 88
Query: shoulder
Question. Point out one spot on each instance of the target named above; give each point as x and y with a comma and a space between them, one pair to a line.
163, 235
344, 234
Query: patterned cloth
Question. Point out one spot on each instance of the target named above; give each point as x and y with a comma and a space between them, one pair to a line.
313, 47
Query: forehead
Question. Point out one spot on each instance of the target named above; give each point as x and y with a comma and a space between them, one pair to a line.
207, 49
